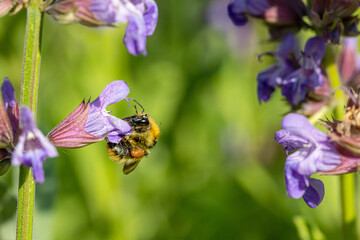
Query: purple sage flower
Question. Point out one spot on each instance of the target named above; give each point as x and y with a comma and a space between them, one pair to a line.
6, 133
141, 15
32, 147
11, 105
91, 122
7, 123
313, 153
25, 145
287, 61
295, 72
309, 76
100, 122
9, 111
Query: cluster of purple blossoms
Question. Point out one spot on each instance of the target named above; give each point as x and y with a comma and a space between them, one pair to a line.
141, 15
297, 73
330, 19
305, 85
22, 143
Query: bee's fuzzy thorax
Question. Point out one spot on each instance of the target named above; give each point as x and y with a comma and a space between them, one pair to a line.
132, 148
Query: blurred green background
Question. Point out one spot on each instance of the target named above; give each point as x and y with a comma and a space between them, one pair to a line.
216, 172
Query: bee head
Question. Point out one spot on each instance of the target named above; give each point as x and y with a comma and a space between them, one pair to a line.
139, 120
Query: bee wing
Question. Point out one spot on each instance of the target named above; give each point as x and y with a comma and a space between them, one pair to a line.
129, 167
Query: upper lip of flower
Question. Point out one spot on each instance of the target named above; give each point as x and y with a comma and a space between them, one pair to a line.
91, 122
100, 122
314, 153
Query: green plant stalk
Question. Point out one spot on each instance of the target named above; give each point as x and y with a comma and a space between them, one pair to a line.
347, 181
29, 92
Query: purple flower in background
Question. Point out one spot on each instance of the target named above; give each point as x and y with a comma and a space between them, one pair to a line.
330, 19
273, 12
90, 122
238, 10
295, 72
287, 61
141, 15
309, 76
314, 153
32, 147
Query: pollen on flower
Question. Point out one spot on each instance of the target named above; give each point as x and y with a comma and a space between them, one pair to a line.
30, 136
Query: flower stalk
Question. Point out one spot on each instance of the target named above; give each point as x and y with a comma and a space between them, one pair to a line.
29, 92
347, 181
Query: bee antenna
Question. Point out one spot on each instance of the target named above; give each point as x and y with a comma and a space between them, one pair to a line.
143, 110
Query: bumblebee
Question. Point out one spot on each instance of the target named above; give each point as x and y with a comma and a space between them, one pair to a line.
132, 148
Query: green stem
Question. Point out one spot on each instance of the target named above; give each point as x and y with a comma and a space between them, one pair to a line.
347, 181
29, 90
347, 184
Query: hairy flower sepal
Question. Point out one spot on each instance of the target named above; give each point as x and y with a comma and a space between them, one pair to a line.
32, 147
74, 11
346, 133
91, 122
70, 133
314, 153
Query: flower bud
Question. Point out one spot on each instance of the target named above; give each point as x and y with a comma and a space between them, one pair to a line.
280, 15
5, 7
74, 11
6, 132
351, 26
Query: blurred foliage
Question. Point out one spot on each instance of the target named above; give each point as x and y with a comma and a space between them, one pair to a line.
216, 172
